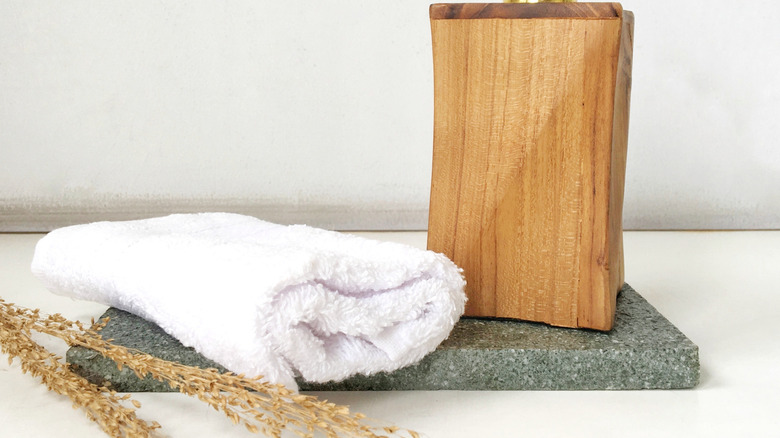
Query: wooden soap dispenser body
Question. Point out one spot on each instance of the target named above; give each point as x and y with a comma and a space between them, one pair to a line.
529, 155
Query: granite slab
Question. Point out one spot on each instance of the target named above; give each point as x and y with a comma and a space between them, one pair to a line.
643, 351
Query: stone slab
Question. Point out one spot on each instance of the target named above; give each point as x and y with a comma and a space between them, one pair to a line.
643, 351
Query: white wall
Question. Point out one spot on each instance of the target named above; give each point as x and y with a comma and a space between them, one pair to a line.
321, 112
704, 149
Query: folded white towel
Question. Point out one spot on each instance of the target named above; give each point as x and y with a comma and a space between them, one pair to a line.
260, 298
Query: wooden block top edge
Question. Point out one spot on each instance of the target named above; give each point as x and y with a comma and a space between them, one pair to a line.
449, 11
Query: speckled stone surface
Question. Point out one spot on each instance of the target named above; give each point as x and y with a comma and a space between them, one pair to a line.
643, 351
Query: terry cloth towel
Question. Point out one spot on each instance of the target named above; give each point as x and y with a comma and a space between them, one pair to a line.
261, 298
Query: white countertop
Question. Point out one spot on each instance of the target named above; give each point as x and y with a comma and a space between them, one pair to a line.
722, 289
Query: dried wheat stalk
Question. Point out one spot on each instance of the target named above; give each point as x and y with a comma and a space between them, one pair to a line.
260, 406
104, 408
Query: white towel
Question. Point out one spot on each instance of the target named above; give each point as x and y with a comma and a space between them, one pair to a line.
260, 298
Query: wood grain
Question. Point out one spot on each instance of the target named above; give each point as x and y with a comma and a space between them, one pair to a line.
447, 11
529, 161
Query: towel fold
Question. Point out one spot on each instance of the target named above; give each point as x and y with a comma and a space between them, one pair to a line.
261, 298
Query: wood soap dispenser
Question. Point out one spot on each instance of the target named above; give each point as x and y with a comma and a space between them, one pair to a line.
530, 129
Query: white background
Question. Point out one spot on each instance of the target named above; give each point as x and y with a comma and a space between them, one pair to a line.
323, 110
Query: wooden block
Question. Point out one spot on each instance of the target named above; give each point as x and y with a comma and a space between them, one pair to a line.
530, 133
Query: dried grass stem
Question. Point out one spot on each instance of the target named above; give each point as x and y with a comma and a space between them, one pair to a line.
258, 405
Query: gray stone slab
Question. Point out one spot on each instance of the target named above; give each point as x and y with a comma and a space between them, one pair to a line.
643, 351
